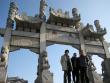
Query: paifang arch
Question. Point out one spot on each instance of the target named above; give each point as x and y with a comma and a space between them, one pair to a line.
36, 33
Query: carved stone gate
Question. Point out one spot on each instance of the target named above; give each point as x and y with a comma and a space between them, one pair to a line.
36, 33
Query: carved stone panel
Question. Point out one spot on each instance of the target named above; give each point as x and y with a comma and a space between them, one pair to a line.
24, 42
95, 49
62, 37
60, 28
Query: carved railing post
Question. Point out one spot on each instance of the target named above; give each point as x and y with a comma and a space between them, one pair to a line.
7, 37
44, 75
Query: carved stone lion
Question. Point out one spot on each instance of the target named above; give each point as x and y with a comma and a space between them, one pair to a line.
4, 54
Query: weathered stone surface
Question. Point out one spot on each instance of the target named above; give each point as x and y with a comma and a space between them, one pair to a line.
3, 74
44, 74
47, 77
11, 14
42, 9
32, 33
106, 70
24, 42
97, 78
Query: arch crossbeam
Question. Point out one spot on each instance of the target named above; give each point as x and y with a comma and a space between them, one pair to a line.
54, 35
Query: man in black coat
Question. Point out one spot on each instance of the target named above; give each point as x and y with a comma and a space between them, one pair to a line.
83, 61
75, 65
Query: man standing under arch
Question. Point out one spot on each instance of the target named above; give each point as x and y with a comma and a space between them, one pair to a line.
75, 65
83, 61
66, 66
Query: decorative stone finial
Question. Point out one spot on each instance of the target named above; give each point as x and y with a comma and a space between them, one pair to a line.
13, 10
67, 14
97, 24
43, 6
74, 11
76, 17
98, 27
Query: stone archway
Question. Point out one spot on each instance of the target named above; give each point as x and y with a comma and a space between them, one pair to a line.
35, 33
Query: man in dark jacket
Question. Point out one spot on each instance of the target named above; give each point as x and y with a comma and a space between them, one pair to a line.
83, 61
75, 65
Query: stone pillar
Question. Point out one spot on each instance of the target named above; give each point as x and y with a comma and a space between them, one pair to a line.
106, 70
4, 56
44, 75
82, 41
106, 64
7, 38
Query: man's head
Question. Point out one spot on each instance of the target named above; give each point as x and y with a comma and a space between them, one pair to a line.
74, 54
81, 52
66, 52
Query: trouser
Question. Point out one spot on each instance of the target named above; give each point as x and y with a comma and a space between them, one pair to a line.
84, 75
67, 76
75, 74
